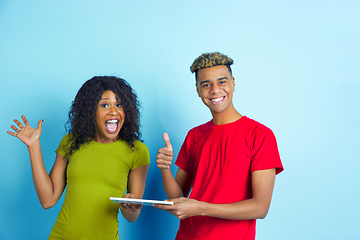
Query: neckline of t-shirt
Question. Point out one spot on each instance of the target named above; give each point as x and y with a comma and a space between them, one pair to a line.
107, 144
226, 124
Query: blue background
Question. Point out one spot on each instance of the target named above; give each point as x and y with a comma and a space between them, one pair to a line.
296, 71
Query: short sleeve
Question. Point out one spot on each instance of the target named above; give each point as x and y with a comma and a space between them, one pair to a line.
183, 159
265, 153
63, 147
142, 156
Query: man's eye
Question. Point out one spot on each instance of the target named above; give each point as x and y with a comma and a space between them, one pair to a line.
206, 85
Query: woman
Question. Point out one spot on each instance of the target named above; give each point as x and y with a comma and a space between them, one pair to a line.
100, 157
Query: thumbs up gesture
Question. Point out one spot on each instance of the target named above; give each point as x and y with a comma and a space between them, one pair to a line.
165, 154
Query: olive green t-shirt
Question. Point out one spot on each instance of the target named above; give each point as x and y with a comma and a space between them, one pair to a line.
95, 173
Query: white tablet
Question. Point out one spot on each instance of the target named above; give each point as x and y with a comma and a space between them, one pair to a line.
139, 201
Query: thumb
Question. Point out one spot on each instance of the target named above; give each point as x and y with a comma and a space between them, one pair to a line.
40, 124
167, 141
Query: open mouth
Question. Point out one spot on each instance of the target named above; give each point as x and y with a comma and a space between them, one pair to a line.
111, 125
217, 100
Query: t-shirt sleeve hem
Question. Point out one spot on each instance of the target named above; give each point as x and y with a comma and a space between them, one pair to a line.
278, 169
182, 167
61, 153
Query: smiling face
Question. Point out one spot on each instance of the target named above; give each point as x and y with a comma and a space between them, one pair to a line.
215, 86
110, 117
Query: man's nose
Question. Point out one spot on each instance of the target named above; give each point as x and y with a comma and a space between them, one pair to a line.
215, 88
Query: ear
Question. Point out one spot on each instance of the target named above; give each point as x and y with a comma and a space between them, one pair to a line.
233, 83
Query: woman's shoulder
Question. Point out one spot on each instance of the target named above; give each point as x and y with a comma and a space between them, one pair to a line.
67, 136
64, 145
65, 139
139, 145
141, 151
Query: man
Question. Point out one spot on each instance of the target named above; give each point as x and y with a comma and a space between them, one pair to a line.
228, 164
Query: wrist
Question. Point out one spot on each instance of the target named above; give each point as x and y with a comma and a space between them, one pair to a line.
203, 208
165, 171
34, 145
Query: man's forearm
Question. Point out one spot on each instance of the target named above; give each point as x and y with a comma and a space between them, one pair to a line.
171, 186
247, 209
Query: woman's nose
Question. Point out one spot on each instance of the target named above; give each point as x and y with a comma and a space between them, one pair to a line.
112, 110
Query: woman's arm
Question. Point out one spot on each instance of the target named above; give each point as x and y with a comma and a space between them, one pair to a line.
136, 188
49, 187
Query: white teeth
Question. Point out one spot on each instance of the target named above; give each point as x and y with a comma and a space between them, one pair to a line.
112, 124
217, 99
112, 121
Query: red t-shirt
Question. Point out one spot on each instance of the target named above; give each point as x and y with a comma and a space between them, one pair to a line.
220, 159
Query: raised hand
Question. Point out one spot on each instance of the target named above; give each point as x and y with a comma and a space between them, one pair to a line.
165, 155
26, 134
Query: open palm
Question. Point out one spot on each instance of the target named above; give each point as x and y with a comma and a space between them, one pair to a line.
26, 134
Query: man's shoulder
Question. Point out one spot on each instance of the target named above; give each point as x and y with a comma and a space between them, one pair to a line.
201, 127
256, 127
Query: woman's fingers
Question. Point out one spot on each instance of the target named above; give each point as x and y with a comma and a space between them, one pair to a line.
14, 128
26, 122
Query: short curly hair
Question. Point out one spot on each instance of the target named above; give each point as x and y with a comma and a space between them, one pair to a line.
212, 59
82, 113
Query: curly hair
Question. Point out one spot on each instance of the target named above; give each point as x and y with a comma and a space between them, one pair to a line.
212, 59
82, 113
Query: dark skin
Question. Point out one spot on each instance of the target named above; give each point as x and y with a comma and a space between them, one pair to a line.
49, 187
215, 87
